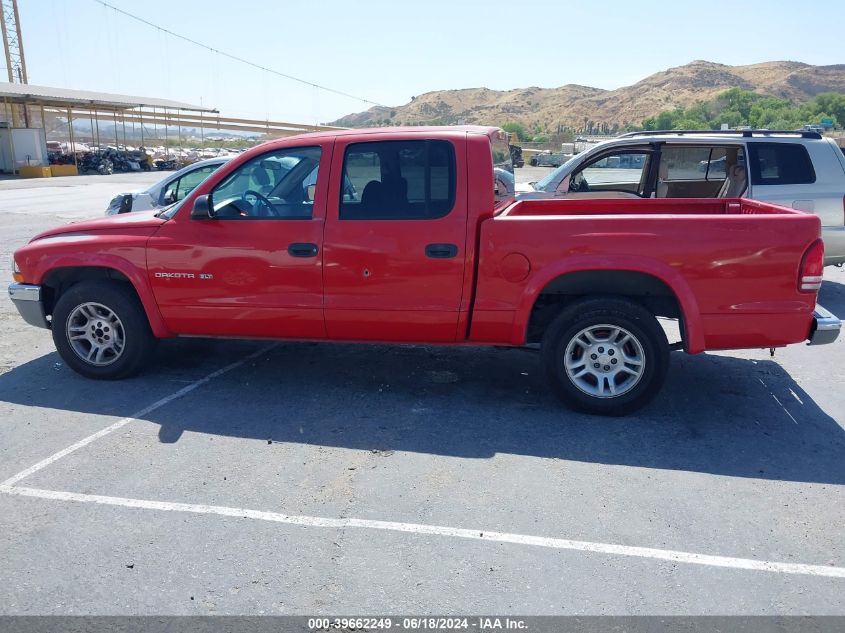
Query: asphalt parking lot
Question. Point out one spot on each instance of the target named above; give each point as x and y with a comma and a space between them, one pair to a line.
295, 478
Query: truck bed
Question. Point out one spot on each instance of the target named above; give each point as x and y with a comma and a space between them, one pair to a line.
732, 265
645, 206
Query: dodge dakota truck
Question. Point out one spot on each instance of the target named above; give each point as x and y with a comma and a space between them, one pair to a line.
413, 235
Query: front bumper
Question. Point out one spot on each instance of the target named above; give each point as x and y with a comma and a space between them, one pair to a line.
27, 299
825, 328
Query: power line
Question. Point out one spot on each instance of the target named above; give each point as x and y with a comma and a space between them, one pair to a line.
235, 57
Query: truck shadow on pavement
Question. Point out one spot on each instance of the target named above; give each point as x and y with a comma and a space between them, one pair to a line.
716, 414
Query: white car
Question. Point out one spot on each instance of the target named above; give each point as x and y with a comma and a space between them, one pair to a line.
798, 169
172, 188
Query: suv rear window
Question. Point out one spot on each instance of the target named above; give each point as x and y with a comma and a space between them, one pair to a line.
780, 164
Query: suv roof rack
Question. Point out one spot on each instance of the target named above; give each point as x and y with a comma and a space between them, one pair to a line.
744, 133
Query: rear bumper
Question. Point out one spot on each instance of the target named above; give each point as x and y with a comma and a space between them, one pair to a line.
27, 299
825, 328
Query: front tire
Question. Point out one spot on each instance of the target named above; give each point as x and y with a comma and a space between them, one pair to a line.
101, 331
606, 356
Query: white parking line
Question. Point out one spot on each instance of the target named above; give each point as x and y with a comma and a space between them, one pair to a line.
9, 487
135, 416
438, 530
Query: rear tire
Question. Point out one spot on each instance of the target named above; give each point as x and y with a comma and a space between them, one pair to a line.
605, 356
101, 331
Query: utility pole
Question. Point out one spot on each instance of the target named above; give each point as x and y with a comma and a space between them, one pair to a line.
13, 44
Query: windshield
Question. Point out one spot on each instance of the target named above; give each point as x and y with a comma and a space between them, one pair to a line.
556, 175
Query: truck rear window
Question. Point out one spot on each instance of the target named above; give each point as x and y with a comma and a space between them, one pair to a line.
398, 180
780, 164
503, 179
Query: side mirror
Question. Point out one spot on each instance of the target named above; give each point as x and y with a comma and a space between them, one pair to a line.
202, 209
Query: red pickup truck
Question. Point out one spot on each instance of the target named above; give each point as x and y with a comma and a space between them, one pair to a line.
414, 235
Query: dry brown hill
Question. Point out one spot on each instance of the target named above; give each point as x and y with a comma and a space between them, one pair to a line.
571, 105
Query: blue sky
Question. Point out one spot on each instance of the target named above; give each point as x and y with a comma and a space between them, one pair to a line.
387, 51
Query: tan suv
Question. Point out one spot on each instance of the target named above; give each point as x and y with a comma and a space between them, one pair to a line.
802, 170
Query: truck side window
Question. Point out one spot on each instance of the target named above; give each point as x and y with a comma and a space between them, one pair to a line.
279, 185
504, 184
398, 180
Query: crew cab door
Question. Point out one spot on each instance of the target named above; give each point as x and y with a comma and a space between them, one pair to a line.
255, 267
394, 248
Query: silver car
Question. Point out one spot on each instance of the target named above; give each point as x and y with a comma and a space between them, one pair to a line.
170, 189
798, 169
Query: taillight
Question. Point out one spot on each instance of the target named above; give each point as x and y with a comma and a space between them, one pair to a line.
812, 268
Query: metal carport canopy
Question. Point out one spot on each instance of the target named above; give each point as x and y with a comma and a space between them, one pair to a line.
29, 94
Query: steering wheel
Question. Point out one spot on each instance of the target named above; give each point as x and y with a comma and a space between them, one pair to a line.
265, 202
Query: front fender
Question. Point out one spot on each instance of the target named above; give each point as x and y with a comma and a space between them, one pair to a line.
693, 329
136, 275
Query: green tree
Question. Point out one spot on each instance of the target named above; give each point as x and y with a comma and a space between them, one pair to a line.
666, 120
833, 103
731, 118
738, 100
699, 111
516, 128
824, 115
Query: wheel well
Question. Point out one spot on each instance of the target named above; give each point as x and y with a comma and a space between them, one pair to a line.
647, 290
59, 280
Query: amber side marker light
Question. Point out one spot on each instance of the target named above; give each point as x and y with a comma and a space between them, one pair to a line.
16, 272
